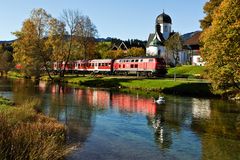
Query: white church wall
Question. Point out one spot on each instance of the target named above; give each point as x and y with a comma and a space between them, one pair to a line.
152, 51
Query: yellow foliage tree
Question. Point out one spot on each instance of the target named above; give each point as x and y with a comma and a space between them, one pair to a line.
221, 48
25, 49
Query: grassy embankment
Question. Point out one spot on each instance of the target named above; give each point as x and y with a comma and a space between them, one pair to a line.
187, 71
26, 134
186, 84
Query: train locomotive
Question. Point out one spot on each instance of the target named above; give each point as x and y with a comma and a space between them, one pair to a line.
142, 66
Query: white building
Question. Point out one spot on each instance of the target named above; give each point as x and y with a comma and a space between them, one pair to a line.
163, 30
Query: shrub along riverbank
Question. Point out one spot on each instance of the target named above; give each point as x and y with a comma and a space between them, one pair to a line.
26, 134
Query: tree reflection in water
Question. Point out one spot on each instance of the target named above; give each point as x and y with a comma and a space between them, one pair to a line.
183, 128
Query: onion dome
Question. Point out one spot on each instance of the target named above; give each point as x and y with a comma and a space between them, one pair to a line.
163, 18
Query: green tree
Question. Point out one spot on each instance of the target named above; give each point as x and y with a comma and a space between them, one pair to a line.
102, 48
221, 48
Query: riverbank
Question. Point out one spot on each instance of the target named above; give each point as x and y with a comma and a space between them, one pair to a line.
186, 87
186, 84
28, 134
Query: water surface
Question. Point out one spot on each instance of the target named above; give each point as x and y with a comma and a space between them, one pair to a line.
109, 125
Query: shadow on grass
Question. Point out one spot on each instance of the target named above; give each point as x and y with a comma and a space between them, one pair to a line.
105, 83
191, 89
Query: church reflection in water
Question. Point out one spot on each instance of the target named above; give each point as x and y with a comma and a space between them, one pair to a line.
205, 127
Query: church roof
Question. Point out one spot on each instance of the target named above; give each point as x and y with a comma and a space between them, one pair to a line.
154, 40
163, 18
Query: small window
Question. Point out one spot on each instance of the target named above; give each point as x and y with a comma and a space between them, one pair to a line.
119, 66
132, 66
136, 66
123, 65
141, 60
136, 60
150, 60
132, 60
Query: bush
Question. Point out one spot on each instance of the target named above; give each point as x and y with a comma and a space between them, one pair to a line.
24, 134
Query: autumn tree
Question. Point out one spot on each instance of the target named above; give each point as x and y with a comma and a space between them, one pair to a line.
102, 48
29, 48
86, 32
173, 46
25, 49
221, 48
57, 41
6, 59
71, 19
209, 9
135, 52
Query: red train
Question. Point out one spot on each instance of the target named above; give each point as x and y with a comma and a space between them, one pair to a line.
144, 66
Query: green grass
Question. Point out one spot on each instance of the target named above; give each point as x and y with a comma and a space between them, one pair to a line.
192, 87
155, 84
187, 71
26, 134
13, 74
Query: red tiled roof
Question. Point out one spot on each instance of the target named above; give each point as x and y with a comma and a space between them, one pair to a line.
194, 40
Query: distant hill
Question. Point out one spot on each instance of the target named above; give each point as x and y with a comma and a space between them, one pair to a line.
4, 42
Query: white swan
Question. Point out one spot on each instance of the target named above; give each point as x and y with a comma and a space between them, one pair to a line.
160, 100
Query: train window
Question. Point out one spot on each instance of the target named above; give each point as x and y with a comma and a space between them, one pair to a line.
150, 60
136, 66
119, 65
78, 65
127, 60
136, 60
141, 60
123, 65
132, 66
132, 60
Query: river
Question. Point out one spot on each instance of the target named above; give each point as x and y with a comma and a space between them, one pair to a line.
109, 125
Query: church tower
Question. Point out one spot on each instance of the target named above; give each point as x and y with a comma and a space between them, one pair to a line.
155, 45
163, 25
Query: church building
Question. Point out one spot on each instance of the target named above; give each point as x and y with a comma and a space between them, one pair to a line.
163, 30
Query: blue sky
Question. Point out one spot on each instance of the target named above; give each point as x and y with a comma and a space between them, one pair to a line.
124, 19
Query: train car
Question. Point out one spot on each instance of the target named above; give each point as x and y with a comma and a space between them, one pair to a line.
144, 66
95, 65
59, 66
